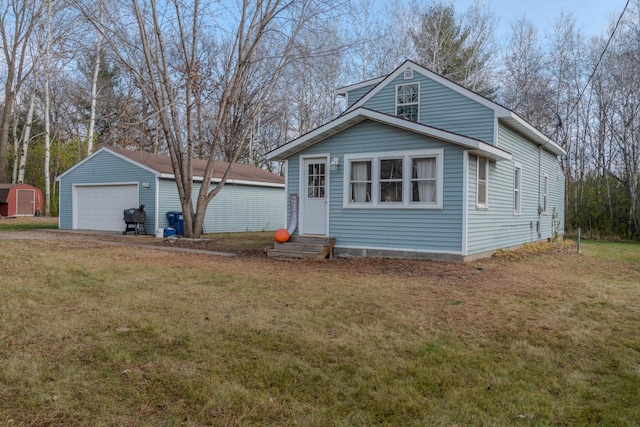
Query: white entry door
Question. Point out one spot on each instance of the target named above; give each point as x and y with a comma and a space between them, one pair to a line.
314, 196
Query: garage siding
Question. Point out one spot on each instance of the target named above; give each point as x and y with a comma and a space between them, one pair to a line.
107, 168
237, 208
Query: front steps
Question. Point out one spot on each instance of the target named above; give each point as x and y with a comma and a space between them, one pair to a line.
312, 247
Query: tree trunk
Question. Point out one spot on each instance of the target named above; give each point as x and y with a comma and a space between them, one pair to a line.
26, 136
94, 92
4, 131
47, 121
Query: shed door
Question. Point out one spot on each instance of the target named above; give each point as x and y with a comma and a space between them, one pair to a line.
101, 207
314, 197
26, 202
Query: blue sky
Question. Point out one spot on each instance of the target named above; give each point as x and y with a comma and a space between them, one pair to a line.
592, 16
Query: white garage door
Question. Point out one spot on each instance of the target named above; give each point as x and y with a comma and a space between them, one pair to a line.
100, 207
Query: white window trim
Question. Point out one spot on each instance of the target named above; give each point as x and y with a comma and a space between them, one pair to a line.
347, 179
484, 205
406, 203
517, 166
412, 103
545, 194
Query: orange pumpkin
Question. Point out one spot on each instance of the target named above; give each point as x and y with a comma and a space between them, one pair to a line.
281, 235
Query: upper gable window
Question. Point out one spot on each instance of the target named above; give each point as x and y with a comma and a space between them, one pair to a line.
407, 101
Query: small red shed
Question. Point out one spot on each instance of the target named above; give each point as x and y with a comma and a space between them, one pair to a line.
20, 200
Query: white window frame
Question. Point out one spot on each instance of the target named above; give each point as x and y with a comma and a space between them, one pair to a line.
410, 103
517, 190
479, 204
391, 180
406, 157
350, 181
545, 194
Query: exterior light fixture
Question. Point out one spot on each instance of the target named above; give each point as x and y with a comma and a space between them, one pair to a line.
335, 162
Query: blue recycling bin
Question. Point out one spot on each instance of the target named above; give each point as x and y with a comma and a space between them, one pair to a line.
176, 221
172, 217
179, 225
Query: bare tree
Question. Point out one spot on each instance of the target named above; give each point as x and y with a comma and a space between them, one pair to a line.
526, 88
195, 64
18, 20
94, 88
47, 111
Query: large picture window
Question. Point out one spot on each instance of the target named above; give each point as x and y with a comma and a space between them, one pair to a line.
360, 183
391, 180
408, 101
394, 180
423, 180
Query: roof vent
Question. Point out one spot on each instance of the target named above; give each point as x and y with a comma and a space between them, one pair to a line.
408, 74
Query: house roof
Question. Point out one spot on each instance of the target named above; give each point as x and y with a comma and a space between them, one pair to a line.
504, 115
360, 114
161, 166
342, 91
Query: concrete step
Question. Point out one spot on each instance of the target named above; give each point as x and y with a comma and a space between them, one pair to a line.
283, 253
293, 246
312, 240
318, 247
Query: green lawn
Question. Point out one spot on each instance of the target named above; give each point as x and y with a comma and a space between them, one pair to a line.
13, 224
94, 335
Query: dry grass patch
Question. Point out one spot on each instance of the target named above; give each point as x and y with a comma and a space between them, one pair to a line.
92, 334
537, 248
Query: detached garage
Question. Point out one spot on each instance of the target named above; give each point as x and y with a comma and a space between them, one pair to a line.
95, 192
20, 200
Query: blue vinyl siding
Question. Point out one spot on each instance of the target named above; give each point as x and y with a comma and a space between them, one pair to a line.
104, 168
236, 208
440, 107
428, 230
354, 96
497, 226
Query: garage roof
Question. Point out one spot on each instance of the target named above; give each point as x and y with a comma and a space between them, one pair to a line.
161, 165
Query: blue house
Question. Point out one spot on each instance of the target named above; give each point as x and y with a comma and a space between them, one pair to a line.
420, 167
95, 192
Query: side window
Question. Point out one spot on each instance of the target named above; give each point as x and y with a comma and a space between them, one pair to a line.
545, 194
408, 101
517, 189
482, 184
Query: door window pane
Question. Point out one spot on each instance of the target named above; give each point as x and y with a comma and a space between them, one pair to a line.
316, 181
